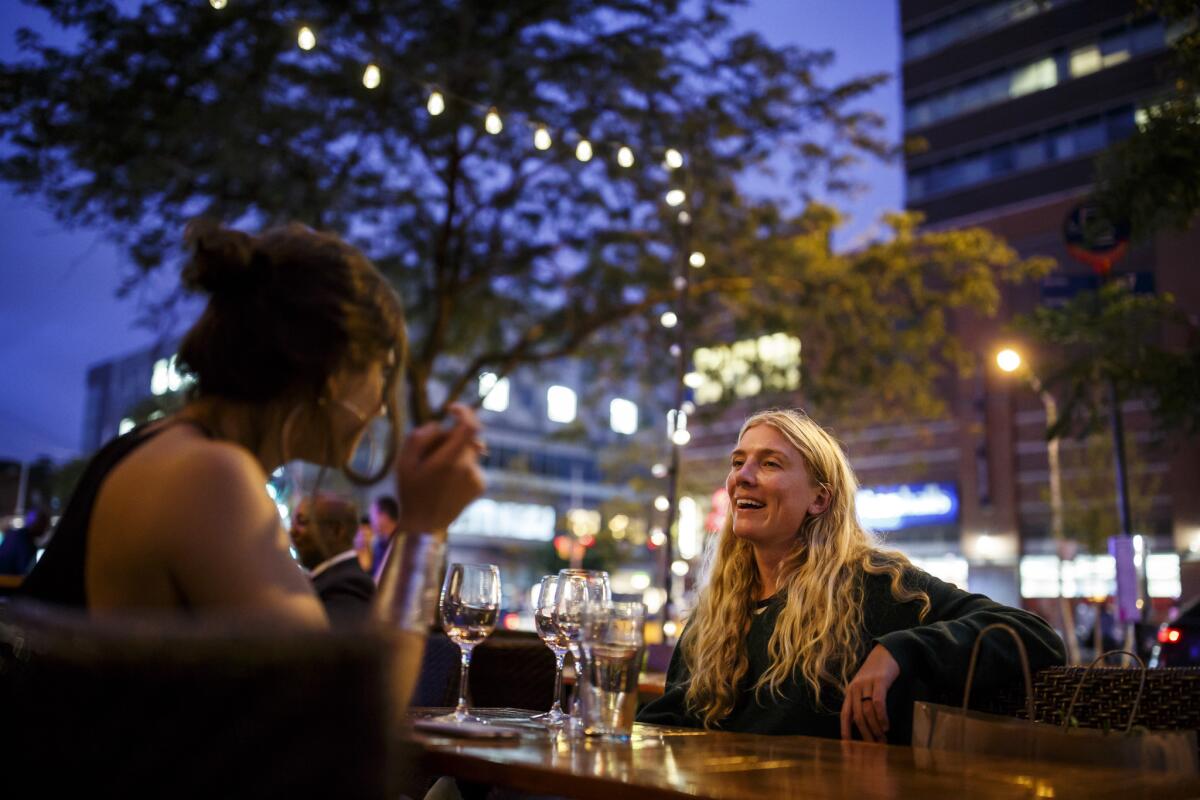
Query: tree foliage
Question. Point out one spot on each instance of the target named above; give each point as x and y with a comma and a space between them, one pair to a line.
1150, 179
1115, 336
505, 255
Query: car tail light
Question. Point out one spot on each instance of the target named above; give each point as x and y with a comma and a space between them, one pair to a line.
1168, 635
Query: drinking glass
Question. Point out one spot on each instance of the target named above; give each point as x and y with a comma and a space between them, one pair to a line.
577, 590
612, 640
470, 604
545, 597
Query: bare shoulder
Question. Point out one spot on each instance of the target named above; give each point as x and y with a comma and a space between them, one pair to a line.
201, 507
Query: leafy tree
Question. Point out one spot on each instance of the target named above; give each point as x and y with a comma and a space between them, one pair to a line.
1112, 336
1149, 180
506, 255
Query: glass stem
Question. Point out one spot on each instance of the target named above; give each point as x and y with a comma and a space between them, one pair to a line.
461, 710
559, 658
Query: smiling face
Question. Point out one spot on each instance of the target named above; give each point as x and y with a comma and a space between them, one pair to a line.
770, 491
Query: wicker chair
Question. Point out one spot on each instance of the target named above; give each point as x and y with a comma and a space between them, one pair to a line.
148, 707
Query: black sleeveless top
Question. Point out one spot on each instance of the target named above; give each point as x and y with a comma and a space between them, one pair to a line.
59, 576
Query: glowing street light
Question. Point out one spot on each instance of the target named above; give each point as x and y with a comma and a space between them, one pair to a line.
1008, 360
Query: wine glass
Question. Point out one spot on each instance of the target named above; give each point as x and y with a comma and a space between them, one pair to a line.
545, 598
578, 589
470, 604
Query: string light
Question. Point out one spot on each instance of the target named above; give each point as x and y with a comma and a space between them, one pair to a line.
675, 197
675, 350
681, 437
492, 123
680, 283
668, 319
541, 138
625, 157
673, 159
697, 259
583, 150
659, 470
662, 503
371, 76
306, 39
218, 4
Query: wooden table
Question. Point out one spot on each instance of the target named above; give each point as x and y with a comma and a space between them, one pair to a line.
677, 763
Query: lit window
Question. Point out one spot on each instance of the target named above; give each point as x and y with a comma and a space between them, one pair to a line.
560, 404
125, 427
1114, 49
1085, 61
494, 391
623, 416
1033, 78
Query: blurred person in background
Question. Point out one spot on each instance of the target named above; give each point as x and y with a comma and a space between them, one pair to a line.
323, 530
364, 544
18, 551
385, 516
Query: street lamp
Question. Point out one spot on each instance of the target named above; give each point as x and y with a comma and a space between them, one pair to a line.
1010, 361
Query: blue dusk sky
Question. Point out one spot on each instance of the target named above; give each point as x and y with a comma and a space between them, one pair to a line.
59, 312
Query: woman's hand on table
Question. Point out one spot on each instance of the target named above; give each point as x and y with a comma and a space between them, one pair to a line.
438, 471
865, 704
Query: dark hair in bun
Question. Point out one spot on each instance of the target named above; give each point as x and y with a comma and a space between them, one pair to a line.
288, 308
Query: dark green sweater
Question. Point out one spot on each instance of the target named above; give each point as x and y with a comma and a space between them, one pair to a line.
932, 654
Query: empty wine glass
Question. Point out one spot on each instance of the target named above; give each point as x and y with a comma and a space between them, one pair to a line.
545, 597
470, 604
577, 590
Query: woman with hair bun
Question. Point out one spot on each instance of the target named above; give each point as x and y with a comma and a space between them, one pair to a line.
302, 344
805, 625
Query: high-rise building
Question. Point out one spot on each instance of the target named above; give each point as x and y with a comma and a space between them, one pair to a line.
1010, 102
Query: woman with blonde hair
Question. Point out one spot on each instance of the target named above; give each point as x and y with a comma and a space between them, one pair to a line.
806, 625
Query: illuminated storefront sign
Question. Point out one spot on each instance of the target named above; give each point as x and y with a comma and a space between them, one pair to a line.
502, 520
890, 508
746, 368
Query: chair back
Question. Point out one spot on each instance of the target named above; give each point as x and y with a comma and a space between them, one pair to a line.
153, 706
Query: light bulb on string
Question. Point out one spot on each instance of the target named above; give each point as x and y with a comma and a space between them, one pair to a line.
675, 197
680, 283
662, 503
681, 437
541, 138
492, 122
583, 150
371, 76
218, 4
673, 159
697, 259
669, 319
688, 407
685, 218
659, 470
675, 350
306, 39
625, 157
436, 104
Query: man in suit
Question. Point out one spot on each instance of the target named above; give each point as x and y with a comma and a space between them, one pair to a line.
323, 531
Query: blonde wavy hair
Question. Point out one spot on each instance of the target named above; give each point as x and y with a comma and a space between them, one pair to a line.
819, 630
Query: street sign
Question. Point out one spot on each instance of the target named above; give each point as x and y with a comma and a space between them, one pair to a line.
1093, 239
